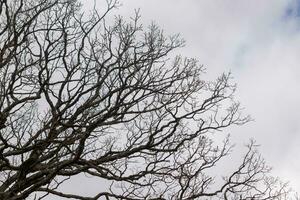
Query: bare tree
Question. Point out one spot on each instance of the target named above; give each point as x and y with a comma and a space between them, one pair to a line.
82, 94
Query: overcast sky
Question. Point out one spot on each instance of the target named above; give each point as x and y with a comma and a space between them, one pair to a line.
259, 42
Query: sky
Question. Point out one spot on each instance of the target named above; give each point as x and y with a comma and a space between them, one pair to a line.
259, 42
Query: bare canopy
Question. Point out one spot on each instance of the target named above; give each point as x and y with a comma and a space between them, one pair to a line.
82, 94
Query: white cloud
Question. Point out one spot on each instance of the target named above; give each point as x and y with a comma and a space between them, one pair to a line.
259, 41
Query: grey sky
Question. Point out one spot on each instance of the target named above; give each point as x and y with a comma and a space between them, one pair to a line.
259, 42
